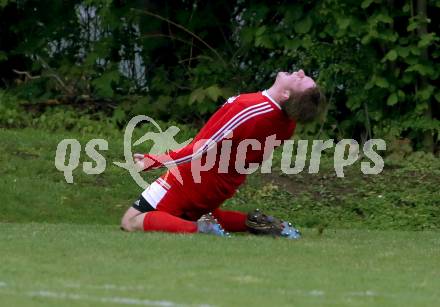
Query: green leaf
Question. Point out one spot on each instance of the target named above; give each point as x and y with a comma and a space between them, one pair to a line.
366, 3
3, 56
392, 99
197, 95
403, 51
343, 23
427, 39
426, 92
103, 84
382, 82
213, 92
366, 39
294, 13
423, 70
437, 96
263, 41
119, 115
354, 102
247, 35
413, 24
401, 95
369, 84
303, 26
293, 44
4, 3
260, 31
385, 18
415, 50
391, 55
407, 78
164, 100
91, 58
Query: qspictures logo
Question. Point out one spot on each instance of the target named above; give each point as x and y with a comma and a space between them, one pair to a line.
216, 154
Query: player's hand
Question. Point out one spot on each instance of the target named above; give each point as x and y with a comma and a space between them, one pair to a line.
137, 157
139, 161
142, 162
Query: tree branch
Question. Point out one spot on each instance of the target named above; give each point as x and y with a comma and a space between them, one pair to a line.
184, 29
26, 73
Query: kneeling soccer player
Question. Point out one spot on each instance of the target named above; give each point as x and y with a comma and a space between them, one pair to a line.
192, 203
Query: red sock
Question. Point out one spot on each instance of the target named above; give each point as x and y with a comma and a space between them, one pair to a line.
163, 221
233, 221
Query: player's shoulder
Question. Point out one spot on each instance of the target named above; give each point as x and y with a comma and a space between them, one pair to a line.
245, 99
248, 99
257, 99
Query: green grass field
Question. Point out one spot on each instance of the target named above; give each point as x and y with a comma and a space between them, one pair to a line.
60, 243
53, 265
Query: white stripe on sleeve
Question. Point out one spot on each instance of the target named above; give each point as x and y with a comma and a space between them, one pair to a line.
234, 122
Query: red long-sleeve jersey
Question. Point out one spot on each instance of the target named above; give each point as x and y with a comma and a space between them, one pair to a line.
254, 116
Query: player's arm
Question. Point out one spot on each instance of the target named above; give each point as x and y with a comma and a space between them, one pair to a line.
171, 158
208, 136
228, 119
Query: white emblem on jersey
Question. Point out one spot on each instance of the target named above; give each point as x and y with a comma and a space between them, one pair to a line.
231, 99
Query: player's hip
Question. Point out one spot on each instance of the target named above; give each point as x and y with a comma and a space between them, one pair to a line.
185, 200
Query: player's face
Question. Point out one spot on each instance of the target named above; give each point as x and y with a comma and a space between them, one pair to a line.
296, 81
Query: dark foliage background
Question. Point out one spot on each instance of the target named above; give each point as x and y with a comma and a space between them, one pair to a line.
179, 60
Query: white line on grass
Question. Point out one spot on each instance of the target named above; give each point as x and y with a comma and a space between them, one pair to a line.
321, 293
104, 287
107, 299
100, 299
161, 303
316, 293
363, 293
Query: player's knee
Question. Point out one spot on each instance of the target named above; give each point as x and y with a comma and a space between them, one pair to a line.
127, 224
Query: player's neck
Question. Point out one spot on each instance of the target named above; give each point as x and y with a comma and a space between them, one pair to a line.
275, 94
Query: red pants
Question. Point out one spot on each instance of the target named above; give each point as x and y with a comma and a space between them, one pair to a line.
175, 212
